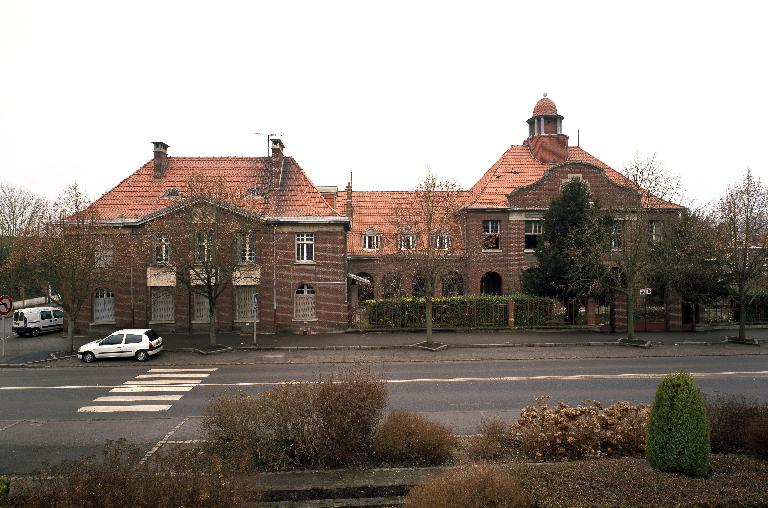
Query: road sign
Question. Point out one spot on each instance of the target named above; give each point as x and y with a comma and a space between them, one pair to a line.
6, 305
645, 291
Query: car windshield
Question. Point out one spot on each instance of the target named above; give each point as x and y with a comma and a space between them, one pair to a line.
151, 334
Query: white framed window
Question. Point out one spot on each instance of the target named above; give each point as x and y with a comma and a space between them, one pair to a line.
654, 230
371, 240
244, 303
407, 241
199, 308
305, 247
442, 240
162, 249
162, 304
103, 306
203, 246
248, 247
491, 235
304, 303
532, 234
617, 235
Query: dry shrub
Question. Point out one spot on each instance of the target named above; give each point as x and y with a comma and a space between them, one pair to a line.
329, 423
118, 478
409, 438
477, 486
493, 441
757, 436
565, 432
735, 425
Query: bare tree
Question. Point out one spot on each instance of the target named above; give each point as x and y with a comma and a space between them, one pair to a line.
68, 252
211, 242
623, 237
19, 209
742, 224
429, 236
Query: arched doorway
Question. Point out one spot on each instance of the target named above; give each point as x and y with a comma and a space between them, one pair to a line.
419, 285
364, 291
452, 284
490, 283
392, 285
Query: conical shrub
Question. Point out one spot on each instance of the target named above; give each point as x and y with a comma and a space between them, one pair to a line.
678, 428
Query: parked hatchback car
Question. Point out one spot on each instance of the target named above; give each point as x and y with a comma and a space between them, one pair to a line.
129, 343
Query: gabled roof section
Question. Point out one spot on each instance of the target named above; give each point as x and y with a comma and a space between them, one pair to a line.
141, 196
517, 167
374, 210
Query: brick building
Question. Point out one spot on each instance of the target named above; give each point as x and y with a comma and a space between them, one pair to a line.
318, 246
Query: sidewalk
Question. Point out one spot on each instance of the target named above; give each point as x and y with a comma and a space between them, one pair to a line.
392, 345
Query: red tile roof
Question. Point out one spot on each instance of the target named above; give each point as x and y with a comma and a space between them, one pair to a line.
141, 194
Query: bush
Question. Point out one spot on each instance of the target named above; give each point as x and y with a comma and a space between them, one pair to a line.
757, 436
572, 432
410, 439
678, 429
168, 479
478, 486
5, 487
329, 423
458, 311
493, 440
727, 414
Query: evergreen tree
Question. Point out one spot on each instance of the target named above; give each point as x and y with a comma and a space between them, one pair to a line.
571, 222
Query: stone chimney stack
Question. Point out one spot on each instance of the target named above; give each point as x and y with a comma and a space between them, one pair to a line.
161, 159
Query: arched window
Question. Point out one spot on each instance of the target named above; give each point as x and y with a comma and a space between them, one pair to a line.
364, 291
453, 284
392, 285
371, 239
419, 285
304, 303
490, 284
103, 306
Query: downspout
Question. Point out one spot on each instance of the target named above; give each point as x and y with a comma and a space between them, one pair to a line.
133, 314
274, 276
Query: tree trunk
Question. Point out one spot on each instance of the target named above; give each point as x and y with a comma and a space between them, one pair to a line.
742, 314
71, 332
630, 310
211, 323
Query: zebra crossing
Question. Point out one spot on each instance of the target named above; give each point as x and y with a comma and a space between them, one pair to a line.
149, 392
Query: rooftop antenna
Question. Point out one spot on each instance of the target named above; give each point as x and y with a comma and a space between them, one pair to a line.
269, 139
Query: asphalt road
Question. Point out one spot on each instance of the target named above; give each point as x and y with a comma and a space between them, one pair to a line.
55, 413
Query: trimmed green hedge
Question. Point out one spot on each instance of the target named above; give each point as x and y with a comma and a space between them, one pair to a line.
458, 312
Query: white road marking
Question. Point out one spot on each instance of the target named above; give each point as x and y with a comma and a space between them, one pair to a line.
137, 389
163, 382
186, 375
189, 384
124, 409
163, 441
183, 370
136, 398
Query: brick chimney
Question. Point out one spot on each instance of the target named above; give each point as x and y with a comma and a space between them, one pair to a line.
348, 211
277, 149
161, 159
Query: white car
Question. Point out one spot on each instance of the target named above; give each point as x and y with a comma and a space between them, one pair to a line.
130, 343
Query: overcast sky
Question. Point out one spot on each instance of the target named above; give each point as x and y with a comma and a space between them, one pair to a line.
377, 88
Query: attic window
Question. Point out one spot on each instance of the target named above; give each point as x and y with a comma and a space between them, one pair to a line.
253, 192
172, 193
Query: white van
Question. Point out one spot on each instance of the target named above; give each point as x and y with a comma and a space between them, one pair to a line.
37, 320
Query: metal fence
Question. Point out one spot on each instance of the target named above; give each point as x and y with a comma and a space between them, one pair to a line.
729, 312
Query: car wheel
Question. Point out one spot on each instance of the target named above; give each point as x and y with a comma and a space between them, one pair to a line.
35, 332
141, 355
88, 357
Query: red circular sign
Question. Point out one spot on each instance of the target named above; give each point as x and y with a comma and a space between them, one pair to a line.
6, 305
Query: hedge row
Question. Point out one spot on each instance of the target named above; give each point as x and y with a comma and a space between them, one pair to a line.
459, 312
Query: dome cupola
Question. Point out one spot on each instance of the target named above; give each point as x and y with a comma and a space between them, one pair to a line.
545, 133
